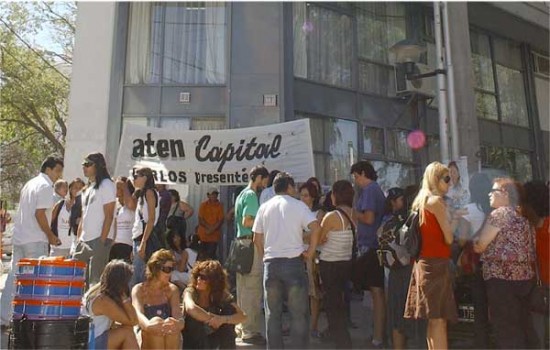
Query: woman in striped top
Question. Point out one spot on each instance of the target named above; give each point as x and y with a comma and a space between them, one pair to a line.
335, 261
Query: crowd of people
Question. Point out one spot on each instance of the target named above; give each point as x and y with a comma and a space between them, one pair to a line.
152, 285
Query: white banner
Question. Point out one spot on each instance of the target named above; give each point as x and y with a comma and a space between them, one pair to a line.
216, 157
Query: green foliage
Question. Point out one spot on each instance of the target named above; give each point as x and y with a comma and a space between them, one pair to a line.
34, 87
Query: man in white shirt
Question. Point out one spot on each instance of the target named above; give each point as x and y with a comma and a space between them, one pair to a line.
278, 230
96, 229
32, 232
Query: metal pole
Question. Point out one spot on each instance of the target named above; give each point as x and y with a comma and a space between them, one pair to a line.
442, 90
450, 85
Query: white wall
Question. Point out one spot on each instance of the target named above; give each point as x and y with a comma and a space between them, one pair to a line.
90, 85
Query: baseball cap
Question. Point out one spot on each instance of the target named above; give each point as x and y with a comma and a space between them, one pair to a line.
395, 192
213, 190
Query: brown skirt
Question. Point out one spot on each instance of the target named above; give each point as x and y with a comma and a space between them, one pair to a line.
430, 293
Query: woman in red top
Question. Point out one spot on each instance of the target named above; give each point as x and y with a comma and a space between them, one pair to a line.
538, 202
430, 291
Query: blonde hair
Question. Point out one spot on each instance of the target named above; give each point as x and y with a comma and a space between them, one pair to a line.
434, 172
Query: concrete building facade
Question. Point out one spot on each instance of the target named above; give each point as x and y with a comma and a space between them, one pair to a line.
218, 65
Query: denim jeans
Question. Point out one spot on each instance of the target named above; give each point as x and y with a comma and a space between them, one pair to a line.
139, 266
29, 250
282, 277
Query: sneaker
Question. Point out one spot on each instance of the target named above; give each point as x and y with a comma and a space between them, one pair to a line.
316, 334
254, 340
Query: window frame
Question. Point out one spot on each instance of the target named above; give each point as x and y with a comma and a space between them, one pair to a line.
491, 37
160, 84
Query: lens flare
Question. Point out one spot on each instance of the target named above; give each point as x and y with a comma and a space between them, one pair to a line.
416, 139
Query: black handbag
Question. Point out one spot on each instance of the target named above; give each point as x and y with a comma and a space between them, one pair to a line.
241, 256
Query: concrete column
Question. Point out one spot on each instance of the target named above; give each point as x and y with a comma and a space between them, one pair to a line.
256, 62
90, 86
468, 130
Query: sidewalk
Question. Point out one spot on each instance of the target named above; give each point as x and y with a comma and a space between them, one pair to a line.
361, 316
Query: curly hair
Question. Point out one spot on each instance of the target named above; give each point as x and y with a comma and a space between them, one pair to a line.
155, 262
217, 279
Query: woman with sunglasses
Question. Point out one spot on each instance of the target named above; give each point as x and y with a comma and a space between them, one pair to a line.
157, 303
507, 251
211, 312
146, 200
430, 293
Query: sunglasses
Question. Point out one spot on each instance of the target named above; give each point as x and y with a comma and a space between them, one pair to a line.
167, 269
447, 179
203, 277
87, 164
137, 175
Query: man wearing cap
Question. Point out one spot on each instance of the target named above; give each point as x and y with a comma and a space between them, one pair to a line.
32, 232
211, 218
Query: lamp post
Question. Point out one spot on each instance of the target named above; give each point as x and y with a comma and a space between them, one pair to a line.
407, 54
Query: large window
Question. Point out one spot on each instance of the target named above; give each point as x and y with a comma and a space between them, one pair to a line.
499, 88
334, 147
507, 162
379, 26
390, 144
179, 43
322, 44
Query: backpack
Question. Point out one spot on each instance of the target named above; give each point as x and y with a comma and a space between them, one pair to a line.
410, 235
390, 252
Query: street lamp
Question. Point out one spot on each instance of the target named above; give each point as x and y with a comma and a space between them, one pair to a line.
407, 54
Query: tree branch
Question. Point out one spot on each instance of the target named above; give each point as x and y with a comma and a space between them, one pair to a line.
63, 19
33, 50
46, 131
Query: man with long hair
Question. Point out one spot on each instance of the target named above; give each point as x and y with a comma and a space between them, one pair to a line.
96, 229
32, 232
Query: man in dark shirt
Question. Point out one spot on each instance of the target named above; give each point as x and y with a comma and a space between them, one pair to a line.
369, 210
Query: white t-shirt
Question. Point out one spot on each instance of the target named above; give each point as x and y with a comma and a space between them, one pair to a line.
281, 220
36, 194
63, 228
124, 224
475, 217
93, 216
142, 208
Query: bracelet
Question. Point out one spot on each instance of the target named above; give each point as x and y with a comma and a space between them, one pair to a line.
127, 300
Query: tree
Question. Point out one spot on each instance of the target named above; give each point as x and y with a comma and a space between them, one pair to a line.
36, 56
